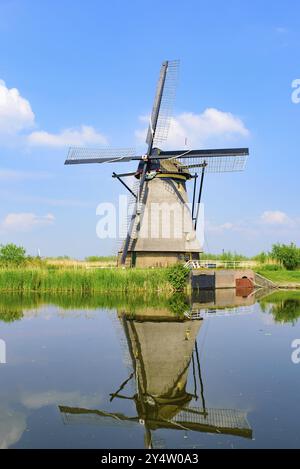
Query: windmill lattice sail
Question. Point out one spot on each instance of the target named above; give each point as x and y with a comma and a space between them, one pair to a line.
81, 155
163, 104
153, 238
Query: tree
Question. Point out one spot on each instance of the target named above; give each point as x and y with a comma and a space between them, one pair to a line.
287, 254
10, 254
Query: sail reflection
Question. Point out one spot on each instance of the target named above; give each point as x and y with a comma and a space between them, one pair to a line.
163, 350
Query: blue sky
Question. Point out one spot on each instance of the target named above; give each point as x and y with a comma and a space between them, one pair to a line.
86, 71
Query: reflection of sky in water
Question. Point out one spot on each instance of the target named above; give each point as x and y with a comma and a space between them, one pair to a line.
77, 357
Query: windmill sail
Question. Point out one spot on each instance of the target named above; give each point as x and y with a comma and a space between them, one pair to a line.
223, 421
163, 104
162, 177
161, 352
216, 161
81, 155
219, 164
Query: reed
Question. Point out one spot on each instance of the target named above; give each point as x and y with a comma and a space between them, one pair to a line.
84, 281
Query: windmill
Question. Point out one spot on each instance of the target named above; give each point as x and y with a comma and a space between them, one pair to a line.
162, 227
163, 351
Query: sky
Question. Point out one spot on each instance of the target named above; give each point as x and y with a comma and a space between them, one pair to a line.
76, 72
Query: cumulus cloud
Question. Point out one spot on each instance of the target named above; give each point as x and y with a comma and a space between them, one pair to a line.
15, 111
200, 129
84, 135
275, 218
17, 118
25, 221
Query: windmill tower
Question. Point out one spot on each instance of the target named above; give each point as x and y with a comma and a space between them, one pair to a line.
163, 351
162, 228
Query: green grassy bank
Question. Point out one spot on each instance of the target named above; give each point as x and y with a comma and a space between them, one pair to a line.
84, 281
283, 278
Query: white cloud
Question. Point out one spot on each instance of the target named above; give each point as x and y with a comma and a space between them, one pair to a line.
242, 229
275, 218
25, 221
15, 111
200, 129
16, 117
252, 234
218, 228
84, 135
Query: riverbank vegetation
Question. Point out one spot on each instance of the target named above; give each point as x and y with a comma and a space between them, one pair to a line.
20, 272
282, 277
281, 255
42, 279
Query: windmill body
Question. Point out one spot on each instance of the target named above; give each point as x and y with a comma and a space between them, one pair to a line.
162, 227
163, 232
162, 350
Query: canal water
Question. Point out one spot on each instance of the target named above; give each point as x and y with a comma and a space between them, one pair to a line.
217, 370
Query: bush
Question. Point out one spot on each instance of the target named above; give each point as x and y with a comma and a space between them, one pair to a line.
12, 255
287, 255
177, 276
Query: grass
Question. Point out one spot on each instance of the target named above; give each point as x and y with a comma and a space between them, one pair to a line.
282, 277
89, 262
84, 281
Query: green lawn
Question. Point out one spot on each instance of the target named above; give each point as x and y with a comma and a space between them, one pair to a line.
282, 277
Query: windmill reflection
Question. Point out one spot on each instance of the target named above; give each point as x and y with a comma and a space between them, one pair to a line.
163, 349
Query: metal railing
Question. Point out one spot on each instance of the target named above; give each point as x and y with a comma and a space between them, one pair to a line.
215, 264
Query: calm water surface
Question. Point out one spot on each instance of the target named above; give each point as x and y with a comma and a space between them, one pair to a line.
216, 371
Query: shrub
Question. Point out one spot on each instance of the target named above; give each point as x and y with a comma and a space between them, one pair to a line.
12, 255
287, 254
177, 276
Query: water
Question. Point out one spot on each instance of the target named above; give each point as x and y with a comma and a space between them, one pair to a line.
116, 372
